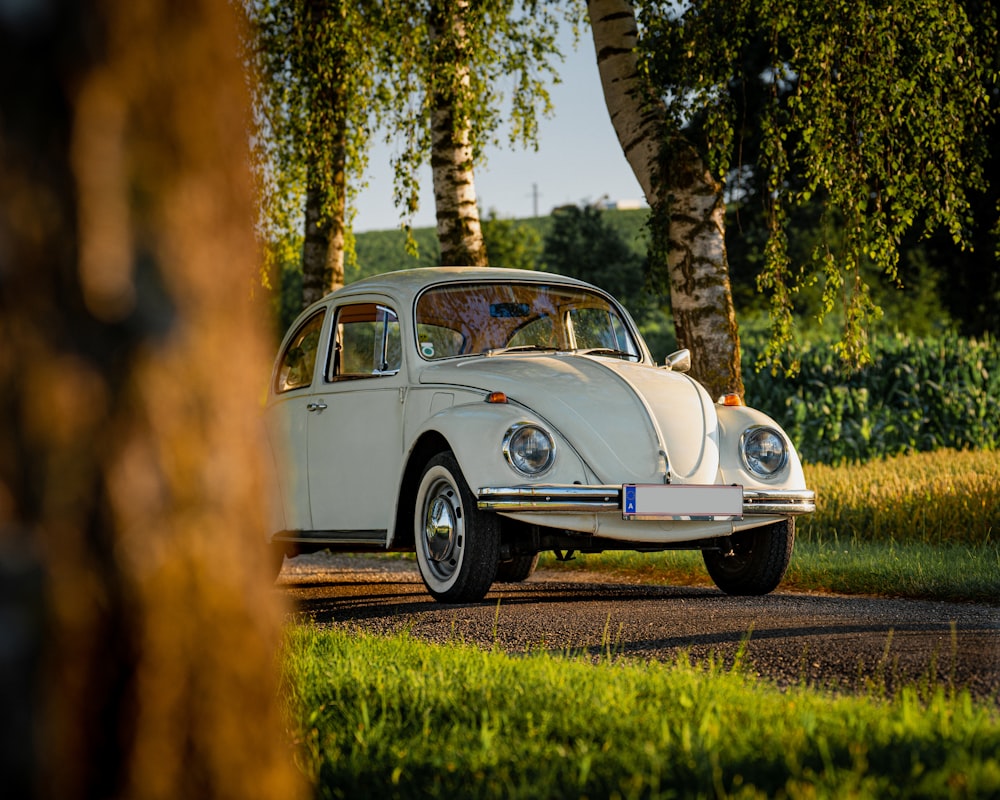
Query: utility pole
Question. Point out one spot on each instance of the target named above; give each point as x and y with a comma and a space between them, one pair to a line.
534, 198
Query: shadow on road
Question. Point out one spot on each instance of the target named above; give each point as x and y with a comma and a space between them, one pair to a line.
847, 643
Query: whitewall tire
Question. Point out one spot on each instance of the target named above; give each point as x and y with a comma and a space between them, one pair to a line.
457, 545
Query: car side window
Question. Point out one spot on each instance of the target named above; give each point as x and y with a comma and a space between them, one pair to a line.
299, 360
366, 343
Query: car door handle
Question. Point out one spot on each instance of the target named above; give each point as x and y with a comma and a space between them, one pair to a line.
319, 406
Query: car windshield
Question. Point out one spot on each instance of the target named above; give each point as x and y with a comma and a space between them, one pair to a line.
492, 318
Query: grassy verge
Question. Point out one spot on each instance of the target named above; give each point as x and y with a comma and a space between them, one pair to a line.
922, 526
398, 718
955, 573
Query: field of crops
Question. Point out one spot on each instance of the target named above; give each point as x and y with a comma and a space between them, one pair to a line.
917, 395
940, 497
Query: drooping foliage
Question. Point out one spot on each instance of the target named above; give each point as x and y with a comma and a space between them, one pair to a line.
875, 112
331, 73
319, 93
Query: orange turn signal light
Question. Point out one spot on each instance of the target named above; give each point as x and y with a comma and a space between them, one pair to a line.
496, 397
730, 400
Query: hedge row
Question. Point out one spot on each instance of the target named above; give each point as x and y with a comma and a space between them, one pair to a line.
917, 395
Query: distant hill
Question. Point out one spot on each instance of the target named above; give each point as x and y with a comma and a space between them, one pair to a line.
385, 251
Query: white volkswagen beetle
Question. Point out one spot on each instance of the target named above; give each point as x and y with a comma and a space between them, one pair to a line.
481, 416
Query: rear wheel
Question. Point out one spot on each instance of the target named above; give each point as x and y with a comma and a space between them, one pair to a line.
457, 545
276, 554
757, 561
517, 569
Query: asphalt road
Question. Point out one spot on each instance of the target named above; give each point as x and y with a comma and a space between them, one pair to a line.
833, 641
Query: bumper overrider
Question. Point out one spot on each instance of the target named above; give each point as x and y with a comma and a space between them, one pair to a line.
650, 501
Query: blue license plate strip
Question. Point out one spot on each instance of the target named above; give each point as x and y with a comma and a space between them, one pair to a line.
681, 501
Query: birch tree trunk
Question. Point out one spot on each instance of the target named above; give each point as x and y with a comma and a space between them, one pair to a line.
131, 485
458, 228
686, 202
324, 236
326, 180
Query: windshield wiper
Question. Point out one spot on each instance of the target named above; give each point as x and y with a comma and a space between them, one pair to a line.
606, 351
522, 348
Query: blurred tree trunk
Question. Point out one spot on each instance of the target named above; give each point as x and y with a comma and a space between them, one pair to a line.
131, 361
687, 203
458, 228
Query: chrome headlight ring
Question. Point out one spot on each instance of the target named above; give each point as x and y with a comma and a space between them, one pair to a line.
764, 451
529, 449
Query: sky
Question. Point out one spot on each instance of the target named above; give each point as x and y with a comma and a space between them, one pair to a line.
578, 159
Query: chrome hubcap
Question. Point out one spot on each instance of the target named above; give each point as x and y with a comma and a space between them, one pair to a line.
440, 528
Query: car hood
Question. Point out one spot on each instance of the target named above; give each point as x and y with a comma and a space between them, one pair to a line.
617, 415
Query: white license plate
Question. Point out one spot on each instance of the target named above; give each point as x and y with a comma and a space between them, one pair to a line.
679, 501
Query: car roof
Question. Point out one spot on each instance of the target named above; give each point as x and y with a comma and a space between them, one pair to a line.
406, 284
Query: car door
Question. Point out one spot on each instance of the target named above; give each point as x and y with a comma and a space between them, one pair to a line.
355, 426
287, 419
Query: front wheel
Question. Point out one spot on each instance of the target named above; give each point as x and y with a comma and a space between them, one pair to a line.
757, 561
457, 545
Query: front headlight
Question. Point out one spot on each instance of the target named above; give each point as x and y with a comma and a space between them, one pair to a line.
529, 449
764, 451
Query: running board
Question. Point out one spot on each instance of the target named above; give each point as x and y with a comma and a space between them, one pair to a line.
369, 538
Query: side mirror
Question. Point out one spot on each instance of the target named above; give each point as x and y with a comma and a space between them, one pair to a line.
679, 361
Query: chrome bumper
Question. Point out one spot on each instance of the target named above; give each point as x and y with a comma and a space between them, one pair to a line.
596, 499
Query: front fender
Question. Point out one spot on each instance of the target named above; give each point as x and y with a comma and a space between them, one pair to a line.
475, 433
733, 420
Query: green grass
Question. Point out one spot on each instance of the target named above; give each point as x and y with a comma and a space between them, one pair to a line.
398, 718
952, 572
